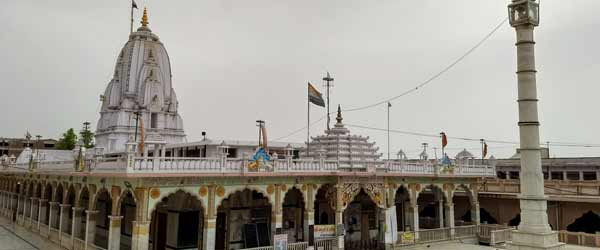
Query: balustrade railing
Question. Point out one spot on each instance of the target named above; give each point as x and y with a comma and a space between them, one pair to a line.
432, 235
465, 231
579, 238
500, 236
223, 164
297, 246
326, 244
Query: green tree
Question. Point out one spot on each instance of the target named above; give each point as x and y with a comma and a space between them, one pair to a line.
68, 140
87, 137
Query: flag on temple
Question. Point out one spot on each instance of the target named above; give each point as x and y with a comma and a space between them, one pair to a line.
133, 4
314, 96
484, 150
389, 104
444, 140
141, 136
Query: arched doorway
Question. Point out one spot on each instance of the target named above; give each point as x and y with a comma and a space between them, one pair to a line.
104, 208
128, 211
293, 215
38, 194
404, 214
324, 205
589, 222
362, 221
243, 221
47, 199
67, 225
177, 221
84, 202
431, 207
58, 197
462, 199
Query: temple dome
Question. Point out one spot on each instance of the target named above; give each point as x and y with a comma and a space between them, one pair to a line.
141, 82
464, 154
338, 144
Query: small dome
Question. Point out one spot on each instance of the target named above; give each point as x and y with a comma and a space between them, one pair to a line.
464, 154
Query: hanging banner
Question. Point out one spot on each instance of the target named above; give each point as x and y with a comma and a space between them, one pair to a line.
324, 231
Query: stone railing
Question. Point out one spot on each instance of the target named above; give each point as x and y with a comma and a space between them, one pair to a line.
465, 231
432, 235
223, 165
579, 238
500, 236
551, 187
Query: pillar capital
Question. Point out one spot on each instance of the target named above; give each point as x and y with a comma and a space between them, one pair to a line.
53, 203
65, 206
91, 212
78, 209
115, 218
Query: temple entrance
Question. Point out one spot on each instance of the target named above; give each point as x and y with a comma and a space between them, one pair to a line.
462, 200
293, 216
243, 221
404, 214
177, 223
104, 208
431, 208
324, 205
362, 221
127, 210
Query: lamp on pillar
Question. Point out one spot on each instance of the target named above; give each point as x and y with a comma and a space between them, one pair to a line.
534, 231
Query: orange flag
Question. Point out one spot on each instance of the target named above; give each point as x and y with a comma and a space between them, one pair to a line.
141, 136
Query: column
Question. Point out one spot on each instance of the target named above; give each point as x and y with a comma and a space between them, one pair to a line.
390, 225
140, 235
64, 209
339, 217
19, 204
114, 233
41, 211
52, 220
564, 175
415, 218
90, 227
210, 221
33, 211
277, 213
475, 213
450, 218
440, 212
76, 222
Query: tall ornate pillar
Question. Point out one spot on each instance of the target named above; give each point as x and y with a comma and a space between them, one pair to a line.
90, 226
64, 217
450, 218
533, 231
277, 214
114, 232
140, 236
339, 217
475, 217
210, 221
309, 211
414, 207
76, 222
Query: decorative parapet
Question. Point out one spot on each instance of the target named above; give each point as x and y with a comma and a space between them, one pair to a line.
222, 165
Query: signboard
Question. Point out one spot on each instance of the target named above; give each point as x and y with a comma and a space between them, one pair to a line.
324, 231
408, 237
281, 242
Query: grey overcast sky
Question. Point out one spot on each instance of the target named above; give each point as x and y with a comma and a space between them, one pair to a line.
235, 61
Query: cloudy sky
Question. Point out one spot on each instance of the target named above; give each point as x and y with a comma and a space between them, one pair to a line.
235, 61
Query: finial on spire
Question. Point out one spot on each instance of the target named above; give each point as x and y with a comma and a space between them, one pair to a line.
339, 114
145, 18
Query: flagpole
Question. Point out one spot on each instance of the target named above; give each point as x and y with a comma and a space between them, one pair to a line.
482, 142
131, 26
308, 122
443, 154
388, 130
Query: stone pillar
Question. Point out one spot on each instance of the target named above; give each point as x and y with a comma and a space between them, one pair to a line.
534, 231
475, 218
76, 222
564, 175
450, 218
339, 217
52, 220
440, 212
114, 233
277, 213
210, 222
309, 211
140, 235
33, 211
41, 211
64, 216
415, 219
90, 227
390, 225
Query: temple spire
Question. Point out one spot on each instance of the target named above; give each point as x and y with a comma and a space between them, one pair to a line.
339, 114
145, 18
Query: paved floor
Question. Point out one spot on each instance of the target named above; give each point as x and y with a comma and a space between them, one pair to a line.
12, 238
18, 238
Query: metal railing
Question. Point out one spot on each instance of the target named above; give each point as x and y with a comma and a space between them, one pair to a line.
326, 244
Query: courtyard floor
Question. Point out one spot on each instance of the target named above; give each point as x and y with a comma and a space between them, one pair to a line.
18, 238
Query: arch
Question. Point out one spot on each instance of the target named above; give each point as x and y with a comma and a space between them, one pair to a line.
462, 198
102, 203
324, 205
293, 207
245, 209
430, 201
169, 192
82, 201
404, 213
58, 195
70, 200
186, 209
127, 208
588, 222
47, 197
363, 223
126, 193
